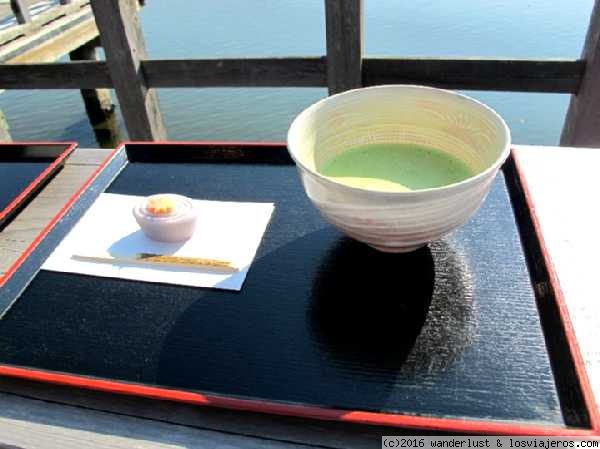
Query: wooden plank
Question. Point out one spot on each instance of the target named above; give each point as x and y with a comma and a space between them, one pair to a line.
325, 434
505, 75
23, 229
344, 30
88, 156
69, 75
20, 10
72, 36
582, 121
124, 47
65, 31
30, 423
19, 233
263, 72
477, 74
268, 72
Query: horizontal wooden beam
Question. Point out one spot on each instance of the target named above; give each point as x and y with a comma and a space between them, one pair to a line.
259, 72
62, 75
471, 74
562, 76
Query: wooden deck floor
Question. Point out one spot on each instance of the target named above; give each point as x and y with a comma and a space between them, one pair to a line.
50, 35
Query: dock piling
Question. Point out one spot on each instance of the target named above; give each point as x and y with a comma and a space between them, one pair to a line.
4, 130
98, 102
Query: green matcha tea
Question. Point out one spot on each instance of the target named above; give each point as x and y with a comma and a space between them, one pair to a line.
396, 167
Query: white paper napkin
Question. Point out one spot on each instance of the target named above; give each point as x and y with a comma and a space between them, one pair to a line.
226, 230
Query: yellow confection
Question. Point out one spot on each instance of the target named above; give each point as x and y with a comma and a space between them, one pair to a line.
160, 206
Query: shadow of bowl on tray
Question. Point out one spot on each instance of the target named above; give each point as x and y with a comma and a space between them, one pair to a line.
320, 319
408, 313
368, 307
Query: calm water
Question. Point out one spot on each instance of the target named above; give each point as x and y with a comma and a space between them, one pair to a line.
239, 28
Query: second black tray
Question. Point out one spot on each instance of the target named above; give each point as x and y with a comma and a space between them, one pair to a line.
24, 169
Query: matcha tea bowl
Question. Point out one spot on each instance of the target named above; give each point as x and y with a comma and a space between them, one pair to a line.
398, 166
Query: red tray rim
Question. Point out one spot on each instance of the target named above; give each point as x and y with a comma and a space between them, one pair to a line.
33, 185
491, 427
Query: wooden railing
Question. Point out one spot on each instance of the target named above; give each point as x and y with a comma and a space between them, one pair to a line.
29, 26
128, 70
20, 10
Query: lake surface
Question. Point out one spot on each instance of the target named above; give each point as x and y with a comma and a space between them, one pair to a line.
260, 28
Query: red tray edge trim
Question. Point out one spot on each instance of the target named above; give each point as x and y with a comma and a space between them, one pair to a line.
584, 382
356, 417
303, 411
47, 171
205, 143
44, 232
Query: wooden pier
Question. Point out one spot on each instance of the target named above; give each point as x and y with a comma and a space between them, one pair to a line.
62, 27
134, 75
49, 35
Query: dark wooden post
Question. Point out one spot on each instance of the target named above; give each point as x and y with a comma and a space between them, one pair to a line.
98, 103
582, 122
20, 10
108, 133
4, 130
123, 43
344, 29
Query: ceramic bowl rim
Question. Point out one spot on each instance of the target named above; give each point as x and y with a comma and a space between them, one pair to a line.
411, 193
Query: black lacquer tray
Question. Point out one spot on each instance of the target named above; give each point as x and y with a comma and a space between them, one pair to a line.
455, 336
24, 170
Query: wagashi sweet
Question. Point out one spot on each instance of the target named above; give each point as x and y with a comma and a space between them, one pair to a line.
166, 217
